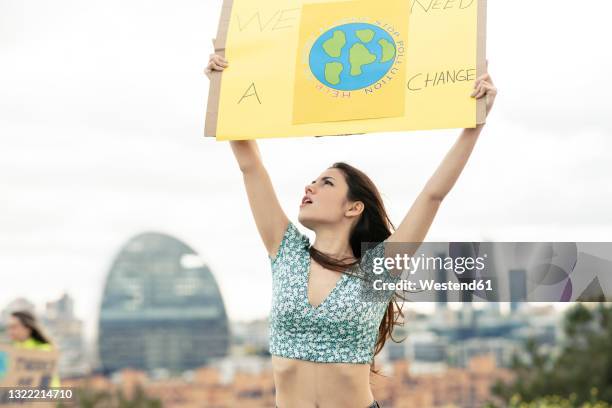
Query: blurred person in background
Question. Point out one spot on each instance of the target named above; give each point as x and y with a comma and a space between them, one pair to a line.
25, 332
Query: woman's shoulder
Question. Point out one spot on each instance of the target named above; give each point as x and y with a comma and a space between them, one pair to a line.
294, 235
293, 242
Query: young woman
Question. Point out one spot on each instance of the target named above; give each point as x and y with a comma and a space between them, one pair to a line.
25, 332
323, 337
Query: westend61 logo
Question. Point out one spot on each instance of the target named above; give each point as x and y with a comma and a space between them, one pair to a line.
356, 56
458, 265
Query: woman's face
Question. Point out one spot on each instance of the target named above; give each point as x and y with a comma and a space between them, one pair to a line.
325, 200
17, 331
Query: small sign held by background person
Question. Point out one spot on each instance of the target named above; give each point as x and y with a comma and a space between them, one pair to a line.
22, 369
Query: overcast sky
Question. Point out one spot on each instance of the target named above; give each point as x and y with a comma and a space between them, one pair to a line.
101, 123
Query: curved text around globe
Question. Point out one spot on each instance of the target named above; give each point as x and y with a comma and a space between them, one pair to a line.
352, 56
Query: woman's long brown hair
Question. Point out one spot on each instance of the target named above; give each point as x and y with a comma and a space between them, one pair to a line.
372, 227
28, 320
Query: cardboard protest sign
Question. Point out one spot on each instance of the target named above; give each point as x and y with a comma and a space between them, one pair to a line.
23, 368
316, 67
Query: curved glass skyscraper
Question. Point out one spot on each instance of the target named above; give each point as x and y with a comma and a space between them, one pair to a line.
161, 309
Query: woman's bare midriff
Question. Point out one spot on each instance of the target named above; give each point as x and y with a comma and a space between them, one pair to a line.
306, 384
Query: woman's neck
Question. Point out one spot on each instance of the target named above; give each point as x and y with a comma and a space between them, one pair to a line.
333, 241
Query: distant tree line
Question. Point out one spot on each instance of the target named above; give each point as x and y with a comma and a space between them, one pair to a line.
580, 375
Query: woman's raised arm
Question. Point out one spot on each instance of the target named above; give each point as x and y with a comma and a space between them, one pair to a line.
270, 218
419, 218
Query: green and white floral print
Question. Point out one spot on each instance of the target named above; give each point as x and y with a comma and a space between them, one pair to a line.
342, 329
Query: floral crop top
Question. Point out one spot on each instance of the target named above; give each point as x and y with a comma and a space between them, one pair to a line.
342, 329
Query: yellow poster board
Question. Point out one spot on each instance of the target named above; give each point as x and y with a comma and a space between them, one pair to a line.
313, 68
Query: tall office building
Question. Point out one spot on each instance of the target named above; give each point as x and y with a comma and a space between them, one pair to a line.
66, 330
518, 288
161, 309
441, 277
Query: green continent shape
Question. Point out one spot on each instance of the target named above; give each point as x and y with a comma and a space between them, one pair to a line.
358, 57
333, 46
332, 72
365, 35
388, 50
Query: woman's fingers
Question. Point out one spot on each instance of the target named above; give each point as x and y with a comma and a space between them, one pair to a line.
216, 63
212, 66
490, 92
482, 89
218, 59
221, 61
212, 56
476, 90
485, 89
484, 85
216, 66
483, 77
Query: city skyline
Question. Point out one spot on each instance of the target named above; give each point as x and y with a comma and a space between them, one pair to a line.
450, 331
425, 308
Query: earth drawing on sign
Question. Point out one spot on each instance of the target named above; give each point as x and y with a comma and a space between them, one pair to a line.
352, 56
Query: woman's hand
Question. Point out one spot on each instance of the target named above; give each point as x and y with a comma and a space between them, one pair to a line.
484, 87
215, 63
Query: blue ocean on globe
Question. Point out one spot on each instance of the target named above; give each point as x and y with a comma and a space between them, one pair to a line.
352, 56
